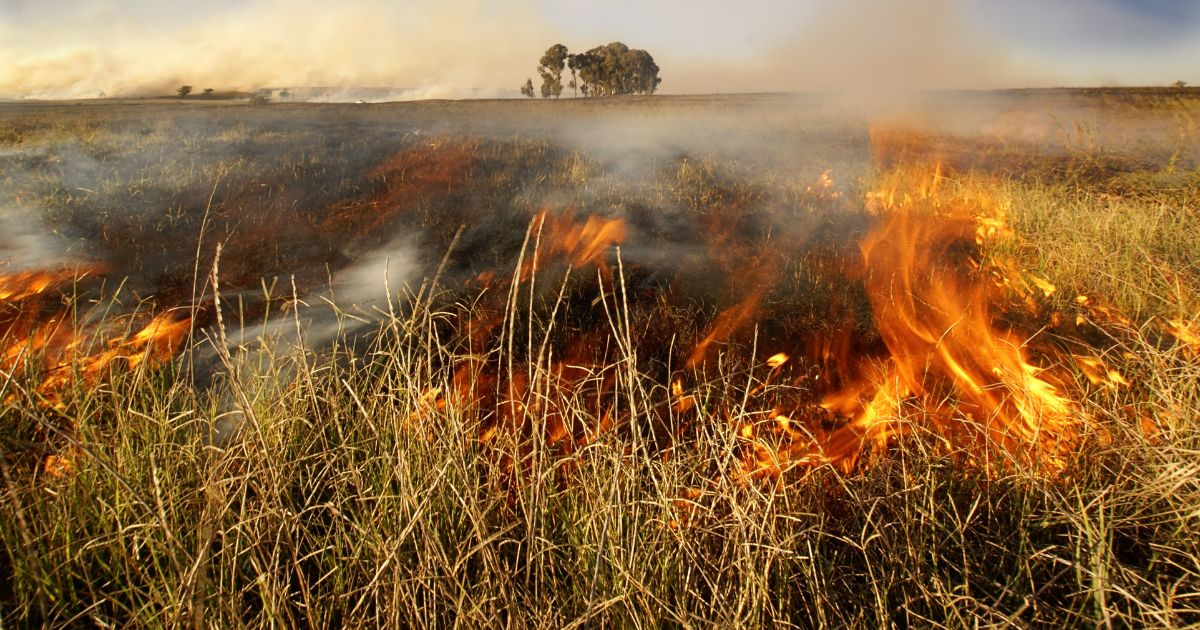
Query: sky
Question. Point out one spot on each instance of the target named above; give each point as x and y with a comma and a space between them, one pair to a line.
485, 48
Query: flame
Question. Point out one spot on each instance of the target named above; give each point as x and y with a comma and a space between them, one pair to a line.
1099, 373
1186, 333
824, 186
528, 402
728, 321
681, 402
21, 285
38, 339
935, 318
950, 371
943, 368
874, 420
58, 466
938, 360
587, 243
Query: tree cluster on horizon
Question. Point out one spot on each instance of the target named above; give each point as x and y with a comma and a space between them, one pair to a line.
609, 70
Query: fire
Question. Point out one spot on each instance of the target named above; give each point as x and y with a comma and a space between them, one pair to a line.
1098, 373
525, 402
940, 355
825, 186
973, 380
950, 370
559, 237
587, 243
1186, 332
943, 368
21, 285
38, 338
727, 321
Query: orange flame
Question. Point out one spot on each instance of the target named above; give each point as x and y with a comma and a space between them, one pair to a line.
935, 319
37, 338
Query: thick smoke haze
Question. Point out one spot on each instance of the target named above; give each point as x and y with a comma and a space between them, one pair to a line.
484, 48
428, 50
882, 47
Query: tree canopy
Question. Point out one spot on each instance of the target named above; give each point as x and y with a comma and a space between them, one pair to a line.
550, 67
608, 70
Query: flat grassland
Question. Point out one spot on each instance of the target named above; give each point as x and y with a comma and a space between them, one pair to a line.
732, 360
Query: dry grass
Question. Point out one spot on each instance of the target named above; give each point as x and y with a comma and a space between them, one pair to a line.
323, 488
349, 502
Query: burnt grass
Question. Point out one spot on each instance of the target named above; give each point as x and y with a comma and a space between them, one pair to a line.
722, 203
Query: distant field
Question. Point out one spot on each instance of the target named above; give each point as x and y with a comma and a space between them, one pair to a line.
731, 359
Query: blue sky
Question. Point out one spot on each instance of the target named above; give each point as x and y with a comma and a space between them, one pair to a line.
1070, 26
77, 47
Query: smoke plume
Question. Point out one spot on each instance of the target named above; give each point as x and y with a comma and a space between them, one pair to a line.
481, 48
458, 48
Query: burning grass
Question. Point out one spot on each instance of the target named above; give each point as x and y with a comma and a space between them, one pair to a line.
716, 394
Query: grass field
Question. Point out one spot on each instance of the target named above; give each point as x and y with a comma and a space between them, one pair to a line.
713, 360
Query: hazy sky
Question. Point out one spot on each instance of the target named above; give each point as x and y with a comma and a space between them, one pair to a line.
488, 47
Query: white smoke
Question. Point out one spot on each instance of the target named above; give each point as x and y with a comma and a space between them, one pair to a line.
25, 244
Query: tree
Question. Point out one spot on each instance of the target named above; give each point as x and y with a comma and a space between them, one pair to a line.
550, 67
611, 73
573, 64
1180, 84
550, 87
183, 91
616, 69
208, 92
586, 66
527, 89
640, 73
285, 94
611, 69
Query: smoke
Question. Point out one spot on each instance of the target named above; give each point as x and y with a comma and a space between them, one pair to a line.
28, 240
359, 298
890, 46
883, 52
446, 49
25, 245
386, 95
879, 48
481, 48
378, 275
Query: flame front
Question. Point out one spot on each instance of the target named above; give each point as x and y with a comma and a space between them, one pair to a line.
945, 369
974, 379
938, 356
39, 339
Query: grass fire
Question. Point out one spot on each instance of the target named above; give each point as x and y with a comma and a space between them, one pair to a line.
736, 360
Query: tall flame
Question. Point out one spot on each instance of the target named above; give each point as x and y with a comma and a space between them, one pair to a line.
934, 315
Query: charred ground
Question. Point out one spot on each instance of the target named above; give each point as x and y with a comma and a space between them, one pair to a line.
611, 276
